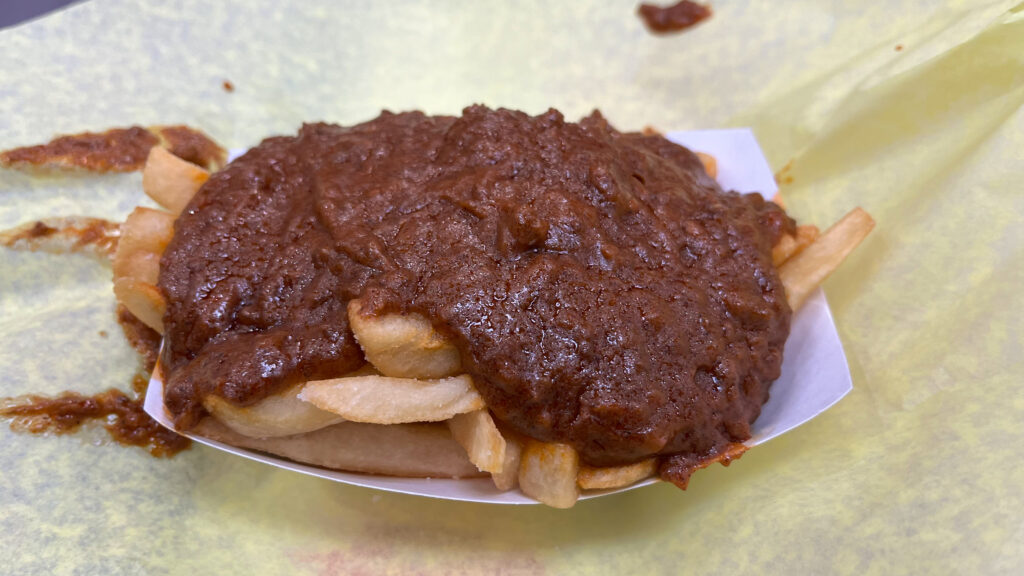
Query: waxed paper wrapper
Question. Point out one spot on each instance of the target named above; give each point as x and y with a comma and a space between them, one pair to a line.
908, 108
814, 372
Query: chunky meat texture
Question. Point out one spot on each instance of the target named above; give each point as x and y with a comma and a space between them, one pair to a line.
602, 289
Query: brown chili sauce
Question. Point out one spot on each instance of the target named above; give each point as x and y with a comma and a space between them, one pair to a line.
122, 416
674, 18
63, 235
603, 291
116, 150
121, 413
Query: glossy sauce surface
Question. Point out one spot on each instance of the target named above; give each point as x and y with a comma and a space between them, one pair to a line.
602, 289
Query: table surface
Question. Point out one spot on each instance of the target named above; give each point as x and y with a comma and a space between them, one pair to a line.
911, 109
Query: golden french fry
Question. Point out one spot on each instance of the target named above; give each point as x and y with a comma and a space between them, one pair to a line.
282, 414
407, 450
144, 235
593, 478
547, 472
143, 300
508, 477
804, 272
476, 432
403, 346
278, 415
385, 400
171, 181
710, 164
147, 230
791, 244
141, 265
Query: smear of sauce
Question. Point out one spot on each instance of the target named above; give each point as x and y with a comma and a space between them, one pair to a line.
121, 413
142, 338
63, 235
116, 150
785, 174
675, 18
228, 86
123, 416
684, 468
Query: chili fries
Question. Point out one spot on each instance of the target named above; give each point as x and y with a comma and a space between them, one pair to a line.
377, 420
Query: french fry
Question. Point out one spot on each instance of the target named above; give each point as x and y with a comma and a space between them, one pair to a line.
804, 272
191, 145
171, 181
547, 472
146, 230
385, 400
791, 244
144, 236
593, 478
140, 264
710, 164
406, 450
403, 346
278, 415
143, 300
508, 476
476, 432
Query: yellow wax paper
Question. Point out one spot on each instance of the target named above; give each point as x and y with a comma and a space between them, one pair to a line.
909, 108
